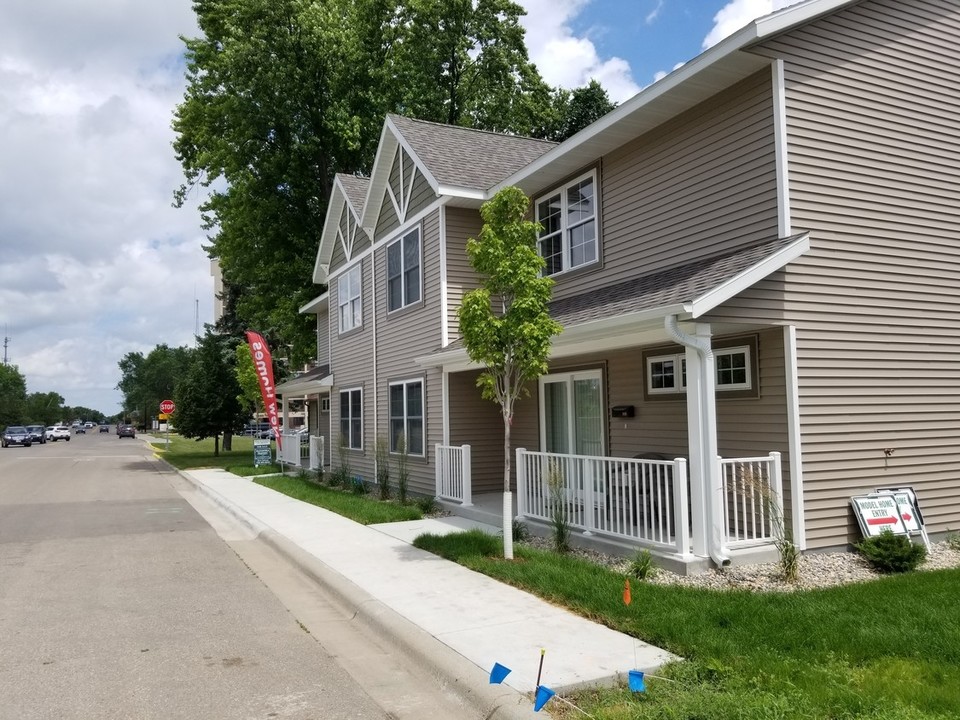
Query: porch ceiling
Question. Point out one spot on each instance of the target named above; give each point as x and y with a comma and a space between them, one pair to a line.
318, 380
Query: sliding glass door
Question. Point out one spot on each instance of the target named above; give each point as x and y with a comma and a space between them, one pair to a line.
572, 413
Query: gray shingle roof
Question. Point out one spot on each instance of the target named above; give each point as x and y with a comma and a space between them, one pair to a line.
355, 188
673, 286
462, 157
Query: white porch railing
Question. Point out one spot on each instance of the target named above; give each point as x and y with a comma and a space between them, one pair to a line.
290, 451
644, 501
752, 499
453, 473
316, 452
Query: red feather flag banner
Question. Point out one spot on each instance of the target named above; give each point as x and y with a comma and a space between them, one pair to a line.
263, 365
626, 592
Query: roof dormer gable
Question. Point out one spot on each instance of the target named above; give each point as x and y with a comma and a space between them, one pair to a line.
343, 236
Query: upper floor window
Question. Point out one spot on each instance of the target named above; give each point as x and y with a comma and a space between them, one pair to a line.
349, 290
403, 270
568, 216
406, 417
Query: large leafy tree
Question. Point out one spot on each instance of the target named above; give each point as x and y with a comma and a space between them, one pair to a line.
146, 380
207, 396
44, 408
13, 395
576, 109
505, 323
282, 94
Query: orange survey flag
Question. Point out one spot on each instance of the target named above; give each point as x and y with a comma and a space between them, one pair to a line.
626, 592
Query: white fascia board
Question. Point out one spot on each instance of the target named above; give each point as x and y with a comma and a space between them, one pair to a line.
328, 236
608, 334
463, 192
431, 180
750, 34
292, 387
379, 176
750, 276
315, 305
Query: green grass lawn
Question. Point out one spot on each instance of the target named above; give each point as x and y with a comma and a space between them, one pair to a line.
187, 454
883, 650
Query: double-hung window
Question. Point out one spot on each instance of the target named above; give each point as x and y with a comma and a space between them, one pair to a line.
406, 416
349, 300
403, 270
568, 219
351, 418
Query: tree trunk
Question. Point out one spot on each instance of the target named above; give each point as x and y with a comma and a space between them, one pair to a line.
216, 446
227, 442
507, 497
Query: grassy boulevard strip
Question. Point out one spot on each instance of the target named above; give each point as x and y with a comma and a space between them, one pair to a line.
887, 649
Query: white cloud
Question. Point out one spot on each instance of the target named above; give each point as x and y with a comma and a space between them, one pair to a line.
103, 264
738, 13
569, 61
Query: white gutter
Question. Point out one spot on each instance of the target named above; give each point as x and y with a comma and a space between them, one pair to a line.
706, 389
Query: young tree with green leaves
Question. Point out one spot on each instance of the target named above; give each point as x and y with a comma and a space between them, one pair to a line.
206, 397
250, 397
506, 324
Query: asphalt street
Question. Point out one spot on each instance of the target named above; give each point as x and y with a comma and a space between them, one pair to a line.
119, 599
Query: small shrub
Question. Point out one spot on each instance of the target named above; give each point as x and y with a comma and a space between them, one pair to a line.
789, 558
341, 477
641, 566
953, 541
358, 486
558, 508
521, 532
383, 469
892, 553
403, 469
427, 504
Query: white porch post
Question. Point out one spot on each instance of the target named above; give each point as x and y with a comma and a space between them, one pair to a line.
697, 468
285, 425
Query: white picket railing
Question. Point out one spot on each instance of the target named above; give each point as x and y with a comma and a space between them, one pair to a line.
289, 452
453, 480
316, 452
752, 499
644, 501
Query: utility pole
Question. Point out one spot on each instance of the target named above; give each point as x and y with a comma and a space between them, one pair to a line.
6, 341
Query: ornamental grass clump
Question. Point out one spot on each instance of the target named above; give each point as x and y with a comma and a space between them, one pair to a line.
383, 469
891, 553
558, 508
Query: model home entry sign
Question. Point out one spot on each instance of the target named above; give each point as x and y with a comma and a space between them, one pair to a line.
893, 509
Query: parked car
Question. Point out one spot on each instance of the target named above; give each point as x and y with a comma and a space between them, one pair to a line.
126, 431
16, 435
58, 432
38, 433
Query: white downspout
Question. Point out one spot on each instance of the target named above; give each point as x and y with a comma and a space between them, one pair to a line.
716, 545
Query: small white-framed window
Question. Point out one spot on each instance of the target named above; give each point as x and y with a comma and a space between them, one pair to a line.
351, 418
568, 219
403, 270
349, 298
733, 368
325, 404
666, 374
406, 416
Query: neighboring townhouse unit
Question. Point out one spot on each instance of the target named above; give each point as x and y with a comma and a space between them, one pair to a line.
757, 264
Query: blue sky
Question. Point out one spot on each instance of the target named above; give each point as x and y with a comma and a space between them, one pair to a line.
95, 262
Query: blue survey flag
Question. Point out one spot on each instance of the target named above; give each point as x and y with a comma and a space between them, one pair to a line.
543, 695
498, 673
635, 678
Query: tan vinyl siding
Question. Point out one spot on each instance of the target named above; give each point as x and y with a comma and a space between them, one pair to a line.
351, 361
405, 334
702, 185
338, 258
421, 196
462, 224
874, 138
323, 337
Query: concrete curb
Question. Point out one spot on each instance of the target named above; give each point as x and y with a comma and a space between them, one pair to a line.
448, 668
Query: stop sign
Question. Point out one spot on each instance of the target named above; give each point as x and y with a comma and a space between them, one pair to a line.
167, 407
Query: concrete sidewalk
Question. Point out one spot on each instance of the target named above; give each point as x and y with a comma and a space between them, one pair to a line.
454, 620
